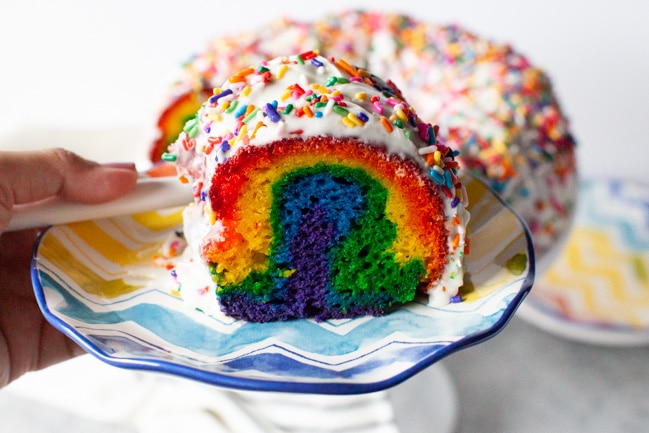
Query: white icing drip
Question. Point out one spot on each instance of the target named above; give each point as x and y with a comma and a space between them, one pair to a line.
453, 277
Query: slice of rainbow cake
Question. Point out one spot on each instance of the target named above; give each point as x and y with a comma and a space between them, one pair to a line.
319, 193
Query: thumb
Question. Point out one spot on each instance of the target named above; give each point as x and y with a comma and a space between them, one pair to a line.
32, 176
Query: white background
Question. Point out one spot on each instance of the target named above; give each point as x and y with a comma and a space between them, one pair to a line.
76, 63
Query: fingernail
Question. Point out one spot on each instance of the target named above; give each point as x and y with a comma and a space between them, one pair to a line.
123, 165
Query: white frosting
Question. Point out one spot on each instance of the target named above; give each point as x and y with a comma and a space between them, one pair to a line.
275, 102
222, 121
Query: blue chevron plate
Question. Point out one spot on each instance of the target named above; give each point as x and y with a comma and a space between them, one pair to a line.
597, 289
97, 281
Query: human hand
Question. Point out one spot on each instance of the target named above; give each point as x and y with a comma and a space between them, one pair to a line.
27, 341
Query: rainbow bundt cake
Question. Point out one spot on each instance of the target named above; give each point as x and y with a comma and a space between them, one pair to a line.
319, 193
490, 101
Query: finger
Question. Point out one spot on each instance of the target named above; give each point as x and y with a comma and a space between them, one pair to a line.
31, 176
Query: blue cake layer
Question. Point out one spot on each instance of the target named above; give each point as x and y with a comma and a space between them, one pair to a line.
330, 253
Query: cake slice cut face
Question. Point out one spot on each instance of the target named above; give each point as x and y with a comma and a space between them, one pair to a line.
319, 194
